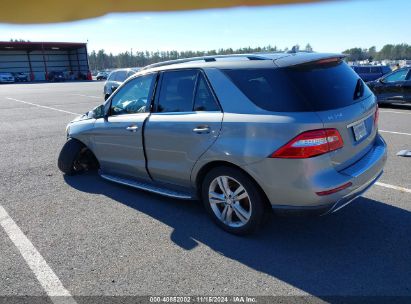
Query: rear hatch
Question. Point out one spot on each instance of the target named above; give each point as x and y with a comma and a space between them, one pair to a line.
342, 101
326, 86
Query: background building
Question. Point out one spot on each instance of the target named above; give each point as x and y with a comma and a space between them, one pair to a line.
41, 59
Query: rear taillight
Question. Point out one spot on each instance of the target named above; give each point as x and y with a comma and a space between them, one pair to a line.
376, 116
335, 190
310, 144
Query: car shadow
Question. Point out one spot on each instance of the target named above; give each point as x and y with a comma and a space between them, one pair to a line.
363, 250
395, 106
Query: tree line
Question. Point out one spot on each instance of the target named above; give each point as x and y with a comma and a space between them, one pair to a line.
100, 60
388, 51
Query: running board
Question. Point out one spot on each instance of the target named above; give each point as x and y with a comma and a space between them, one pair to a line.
147, 187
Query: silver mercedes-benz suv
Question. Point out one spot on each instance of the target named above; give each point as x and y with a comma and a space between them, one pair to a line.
244, 133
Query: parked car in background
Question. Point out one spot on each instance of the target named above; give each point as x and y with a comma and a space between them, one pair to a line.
371, 72
245, 134
21, 77
115, 79
394, 87
56, 76
6, 77
102, 75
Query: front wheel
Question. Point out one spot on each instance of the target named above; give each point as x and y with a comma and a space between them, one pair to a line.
69, 161
233, 200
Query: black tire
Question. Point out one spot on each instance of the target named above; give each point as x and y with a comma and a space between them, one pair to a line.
256, 199
69, 154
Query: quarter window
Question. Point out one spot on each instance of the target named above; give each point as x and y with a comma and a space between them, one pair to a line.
133, 97
177, 91
310, 87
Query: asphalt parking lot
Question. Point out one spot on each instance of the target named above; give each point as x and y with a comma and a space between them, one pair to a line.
90, 237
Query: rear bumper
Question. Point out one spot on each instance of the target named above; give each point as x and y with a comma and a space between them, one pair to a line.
352, 196
292, 193
328, 208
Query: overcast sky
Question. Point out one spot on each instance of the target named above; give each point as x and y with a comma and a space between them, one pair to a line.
327, 26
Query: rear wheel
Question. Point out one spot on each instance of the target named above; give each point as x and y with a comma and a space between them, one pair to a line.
233, 200
72, 157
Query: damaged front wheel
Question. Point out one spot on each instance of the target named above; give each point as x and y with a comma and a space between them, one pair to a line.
75, 158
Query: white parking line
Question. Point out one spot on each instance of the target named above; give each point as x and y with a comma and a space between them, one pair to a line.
44, 274
392, 132
91, 96
40, 106
396, 112
402, 189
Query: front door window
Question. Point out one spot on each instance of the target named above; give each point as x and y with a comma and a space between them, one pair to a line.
133, 97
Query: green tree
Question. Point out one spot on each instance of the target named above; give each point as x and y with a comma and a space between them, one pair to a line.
356, 54
372, 52
308, 48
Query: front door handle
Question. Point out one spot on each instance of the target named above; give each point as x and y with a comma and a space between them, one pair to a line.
201, 129
132, 128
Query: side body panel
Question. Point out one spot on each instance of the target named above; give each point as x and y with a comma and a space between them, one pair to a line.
82, 130
173, 146
391, 91
407, 90
251, 138
247, 141
118, 145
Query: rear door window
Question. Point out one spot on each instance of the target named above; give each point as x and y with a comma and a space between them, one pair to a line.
313, 87
204, 99
177, 91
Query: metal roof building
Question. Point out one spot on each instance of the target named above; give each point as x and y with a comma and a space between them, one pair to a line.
38, 59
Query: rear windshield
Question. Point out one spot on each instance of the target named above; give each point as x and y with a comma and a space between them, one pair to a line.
301, 89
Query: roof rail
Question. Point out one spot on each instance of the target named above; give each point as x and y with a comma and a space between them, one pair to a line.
206, 59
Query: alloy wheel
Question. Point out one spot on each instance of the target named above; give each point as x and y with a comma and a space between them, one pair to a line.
230, 201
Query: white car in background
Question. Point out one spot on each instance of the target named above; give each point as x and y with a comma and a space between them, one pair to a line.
6, 78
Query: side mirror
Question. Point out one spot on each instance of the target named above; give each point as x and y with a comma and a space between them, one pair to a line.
91, 114
97, 112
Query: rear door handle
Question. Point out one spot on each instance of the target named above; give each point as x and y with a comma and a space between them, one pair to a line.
132, 128
201, 129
